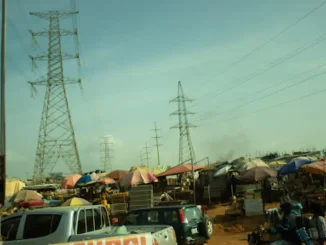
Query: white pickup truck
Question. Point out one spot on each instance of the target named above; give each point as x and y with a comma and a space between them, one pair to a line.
74, 225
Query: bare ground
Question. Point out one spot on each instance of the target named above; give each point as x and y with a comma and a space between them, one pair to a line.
233, 230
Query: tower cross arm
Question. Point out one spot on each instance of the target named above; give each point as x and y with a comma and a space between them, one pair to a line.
181, 99
51, 14
182, 113
62, 32
44, 57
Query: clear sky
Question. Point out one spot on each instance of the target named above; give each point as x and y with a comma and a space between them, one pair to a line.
133, 54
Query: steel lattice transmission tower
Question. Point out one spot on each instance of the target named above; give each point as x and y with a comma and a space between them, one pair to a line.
186, 150
157, 145
56, 134
106, 148
147, 153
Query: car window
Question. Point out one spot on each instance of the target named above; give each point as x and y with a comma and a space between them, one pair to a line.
81, 223
105, 217
39, 225
171, 217
152, 217
89, 220
193, 213
97, 219
9, 228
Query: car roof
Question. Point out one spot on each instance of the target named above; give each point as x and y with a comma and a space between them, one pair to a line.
164, 207
51, 210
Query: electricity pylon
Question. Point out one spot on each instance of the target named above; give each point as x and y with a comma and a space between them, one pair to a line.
56, 134
157, 145
106, 148
147, 155
186, 150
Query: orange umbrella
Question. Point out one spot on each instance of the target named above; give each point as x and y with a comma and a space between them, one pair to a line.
70, 181
117, 174
106, 181
318, 167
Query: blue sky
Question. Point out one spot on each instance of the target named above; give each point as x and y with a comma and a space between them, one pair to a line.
133, 54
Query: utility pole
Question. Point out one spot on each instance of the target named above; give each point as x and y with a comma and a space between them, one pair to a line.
184, 132
56, 133
3, 107
106, 148
147, 155
157, 144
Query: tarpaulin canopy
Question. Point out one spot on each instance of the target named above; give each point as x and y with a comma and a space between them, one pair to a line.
257, 174
294, 165
139, 176
26, 196
223, 170
13, 186
179, 169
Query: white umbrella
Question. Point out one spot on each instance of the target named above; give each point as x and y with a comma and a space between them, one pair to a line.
245, 163
222, 171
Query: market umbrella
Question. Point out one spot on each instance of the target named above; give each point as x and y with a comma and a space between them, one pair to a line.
245, 163
87, 179
222, 171
318, 167
294, 165
76, 201
69, 182
180, 169
27, 195
117, 174
106, 180
139, 176
257, 174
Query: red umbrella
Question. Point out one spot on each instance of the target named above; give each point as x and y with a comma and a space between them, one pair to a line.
117, 174
106, 180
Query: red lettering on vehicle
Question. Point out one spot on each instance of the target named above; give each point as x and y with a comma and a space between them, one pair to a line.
113, 242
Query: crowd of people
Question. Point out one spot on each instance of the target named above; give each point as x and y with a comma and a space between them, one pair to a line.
296, 229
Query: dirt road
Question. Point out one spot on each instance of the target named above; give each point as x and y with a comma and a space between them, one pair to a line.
233, 230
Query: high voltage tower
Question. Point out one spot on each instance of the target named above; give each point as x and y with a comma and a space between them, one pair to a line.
106, 148
56, 134
157, 145
147, 155
186, 150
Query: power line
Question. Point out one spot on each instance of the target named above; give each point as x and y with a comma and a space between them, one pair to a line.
273, 85
274, 64
233, 64
270, 94
157, 144
274, 106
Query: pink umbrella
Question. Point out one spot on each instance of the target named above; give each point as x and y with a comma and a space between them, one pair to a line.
139, 176
70, 181
106, 181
